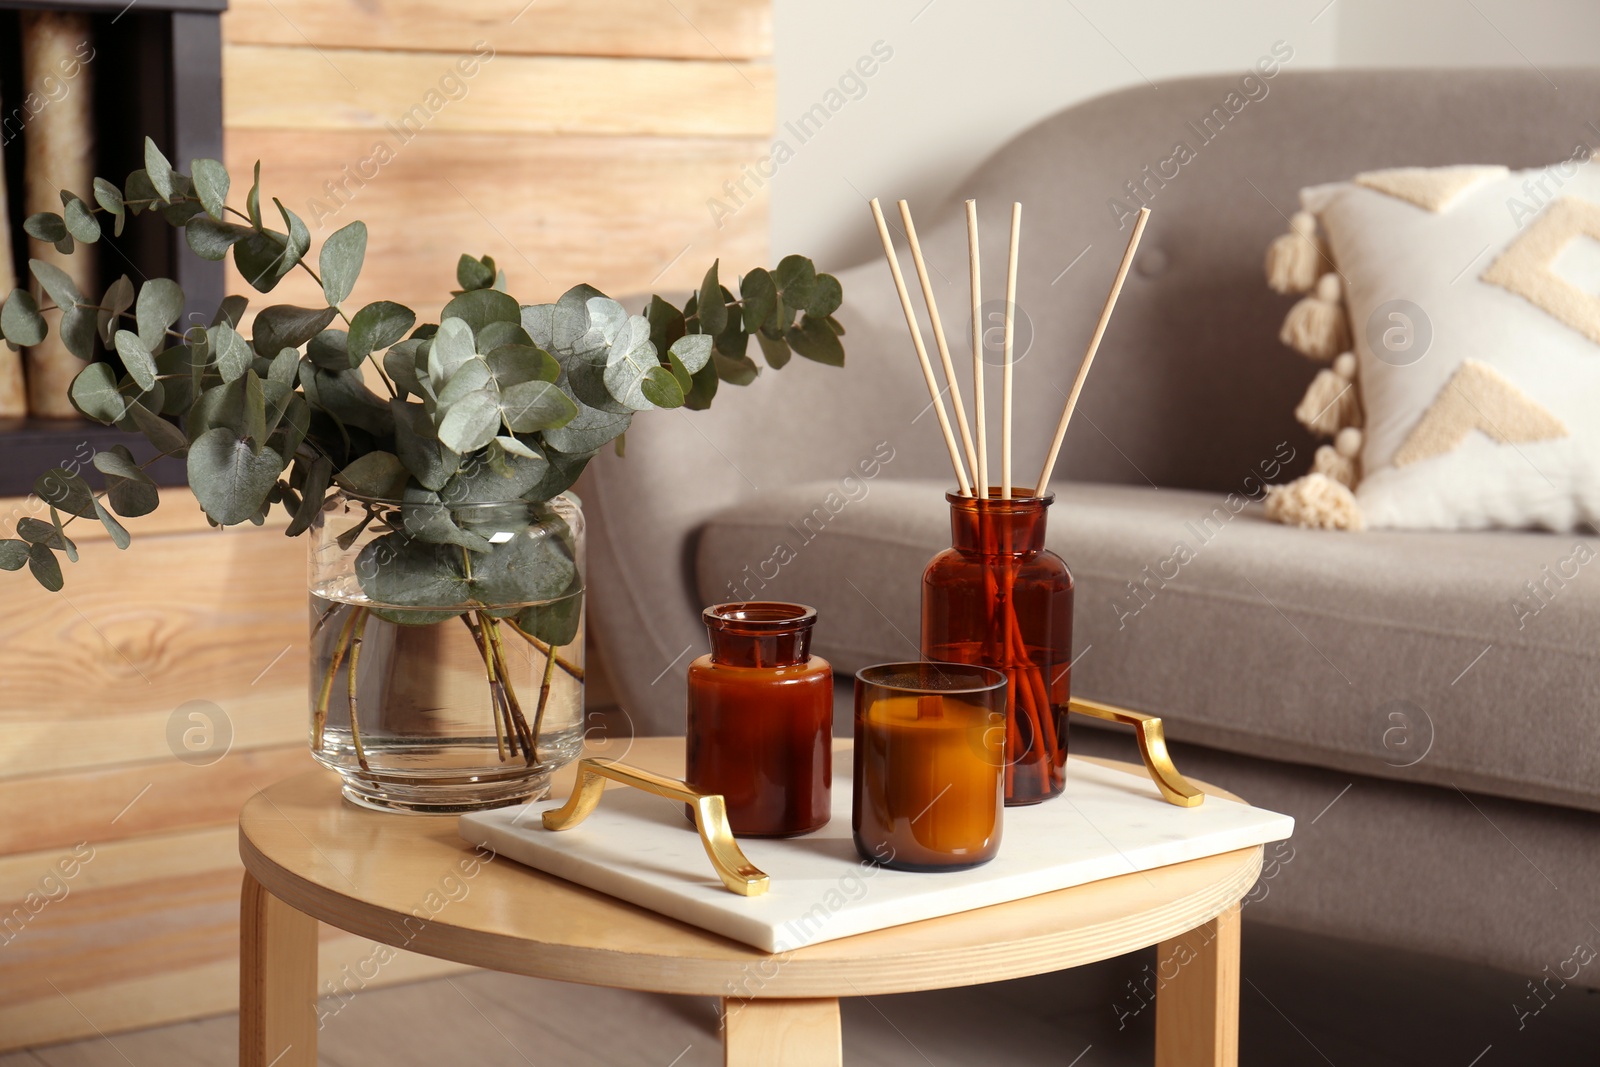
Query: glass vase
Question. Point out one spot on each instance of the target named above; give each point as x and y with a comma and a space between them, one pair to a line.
998, 598
760, 725
446, 649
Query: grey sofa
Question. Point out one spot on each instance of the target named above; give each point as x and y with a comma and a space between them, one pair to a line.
1437, 745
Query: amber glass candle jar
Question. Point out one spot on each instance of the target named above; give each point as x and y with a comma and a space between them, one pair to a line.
760, 726
929, 750
998, 598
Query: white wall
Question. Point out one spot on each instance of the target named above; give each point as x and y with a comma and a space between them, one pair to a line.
963, 76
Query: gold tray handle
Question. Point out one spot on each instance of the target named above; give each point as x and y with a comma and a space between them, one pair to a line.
710, 818
1175, 788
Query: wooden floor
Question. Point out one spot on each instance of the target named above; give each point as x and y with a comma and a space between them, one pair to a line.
1309, 1000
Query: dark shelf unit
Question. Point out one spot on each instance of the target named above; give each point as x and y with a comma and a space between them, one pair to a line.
157, 71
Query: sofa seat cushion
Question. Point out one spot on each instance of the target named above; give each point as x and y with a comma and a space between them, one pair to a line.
1460, 659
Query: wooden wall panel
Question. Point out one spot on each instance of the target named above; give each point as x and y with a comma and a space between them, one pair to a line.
93, 674
146, 932
622, 213
426, 92
672, 29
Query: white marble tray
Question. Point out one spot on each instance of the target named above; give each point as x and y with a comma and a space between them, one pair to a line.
642, 849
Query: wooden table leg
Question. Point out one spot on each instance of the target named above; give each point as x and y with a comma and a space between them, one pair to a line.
277, 981
1197, 1005
781, 1033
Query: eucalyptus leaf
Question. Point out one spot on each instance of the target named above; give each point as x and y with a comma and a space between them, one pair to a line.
493, 335
826, 296
344, 395
555, 623
255, 411
704, 389
660, 387
452, 346
713, 313
286, 326
796, 277
311, 495
118, 298
299, 240
80, 221
587, 431
231, 354
45, 226
211, 183
159, 305
136, 358
340, 261
775, 350
94, 392
534, 564
378, 475
815, 340
694, 350
471, 377
118, 462
231, 311
252, 201
77, 331
479, 307
404, 570
45, 567
400, 364
167, 438
536, 405
514, 364
378, 326
565, 469
211, 238
109, 197
262, 257
474, 273
740, 371
56, 282
471, 422
425, 516
229, 478
666, 323
631, 359
759, 295
330, 350
13, 554
66, 544
158, 169
284, 368
20, 320
119, 533
429, 461
64, 489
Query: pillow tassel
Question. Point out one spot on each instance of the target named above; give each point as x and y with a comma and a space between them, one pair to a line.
1316, 327
1295, 258
1314, 501
1341, 468
1331, 402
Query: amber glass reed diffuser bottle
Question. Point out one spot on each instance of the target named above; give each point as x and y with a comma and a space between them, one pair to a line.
760, 728
998, 598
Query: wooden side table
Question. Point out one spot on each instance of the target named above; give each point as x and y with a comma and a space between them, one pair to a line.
413, 883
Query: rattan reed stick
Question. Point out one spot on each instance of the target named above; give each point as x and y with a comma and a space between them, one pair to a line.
1094, 346
979, 415
922, 351
938, 338
1007, 368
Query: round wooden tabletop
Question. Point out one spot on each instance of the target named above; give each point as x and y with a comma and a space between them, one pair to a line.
411, 882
